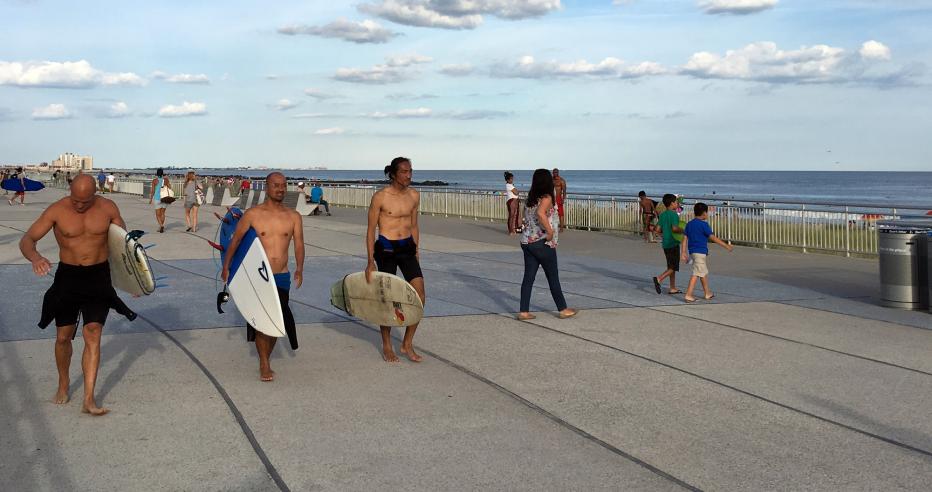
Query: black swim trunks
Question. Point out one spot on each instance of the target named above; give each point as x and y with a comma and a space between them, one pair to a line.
673, 258
81, 289
392, 255
283, 281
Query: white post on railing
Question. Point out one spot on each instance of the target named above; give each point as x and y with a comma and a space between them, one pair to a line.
847, 233
589, 213
613, 213
805, 229
763, 216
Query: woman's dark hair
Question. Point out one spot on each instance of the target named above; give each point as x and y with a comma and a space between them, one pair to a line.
508, 175
160, 172
392, 169
541, 186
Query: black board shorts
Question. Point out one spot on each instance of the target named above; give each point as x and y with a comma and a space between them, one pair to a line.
392, 255
290, 328
79, 289
673, 258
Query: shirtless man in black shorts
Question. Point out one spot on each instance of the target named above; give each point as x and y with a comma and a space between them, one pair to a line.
394, 211
276, 226
82, 283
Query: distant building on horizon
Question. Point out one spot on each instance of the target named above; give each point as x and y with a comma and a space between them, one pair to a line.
73, 162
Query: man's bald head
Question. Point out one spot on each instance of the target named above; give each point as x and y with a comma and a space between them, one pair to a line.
82, 196
276, 176
275, 186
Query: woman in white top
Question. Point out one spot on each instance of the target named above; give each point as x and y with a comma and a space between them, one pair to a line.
513, 203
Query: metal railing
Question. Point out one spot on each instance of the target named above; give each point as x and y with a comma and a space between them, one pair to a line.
838, 228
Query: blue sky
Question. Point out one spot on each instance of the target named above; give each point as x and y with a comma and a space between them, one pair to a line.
459, 84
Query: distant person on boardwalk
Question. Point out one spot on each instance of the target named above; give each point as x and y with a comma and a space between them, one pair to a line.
111, 180
68, 177
317, 196
277, 227
669, 223
82, 284
559, 191
539, 244
160, 187
244, 186
696, 239
393, 210
513, 202
4, 175
101, 181
192, 200
21, 176
647, 215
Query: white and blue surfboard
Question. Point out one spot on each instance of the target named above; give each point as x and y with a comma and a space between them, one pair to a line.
251, 282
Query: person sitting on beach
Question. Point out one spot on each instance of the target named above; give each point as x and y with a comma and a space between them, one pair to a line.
669, 222
647, 215
393, 210
512, 201
539, 245
277, 227
317, 196
696, 239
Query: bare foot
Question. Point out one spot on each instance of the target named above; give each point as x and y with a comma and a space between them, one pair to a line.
61, 396
388, 354
411, 354
266, 375
92, 409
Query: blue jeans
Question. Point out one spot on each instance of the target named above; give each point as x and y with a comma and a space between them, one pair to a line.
536, 255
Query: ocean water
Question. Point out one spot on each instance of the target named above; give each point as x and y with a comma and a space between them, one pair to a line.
864, 188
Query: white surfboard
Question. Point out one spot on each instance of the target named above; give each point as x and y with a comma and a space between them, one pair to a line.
129, 265
387, 301
252, 286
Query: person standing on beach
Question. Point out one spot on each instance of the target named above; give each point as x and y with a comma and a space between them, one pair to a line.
559, 192
191, 202
82, 284
513, 202
539, 244
393, 210
696, 239
159, 183
647, 216
669, 222
276, 226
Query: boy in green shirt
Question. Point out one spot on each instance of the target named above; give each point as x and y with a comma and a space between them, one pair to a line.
669, 222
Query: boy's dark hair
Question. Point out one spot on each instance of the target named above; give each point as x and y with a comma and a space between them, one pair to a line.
392, 169
668, 199
700, 208
642, 194
508, 175
541, 185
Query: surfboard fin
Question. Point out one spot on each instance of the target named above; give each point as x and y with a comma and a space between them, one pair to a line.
215, 245
158, 286
135, 234
149, 246
161, 278
222, 298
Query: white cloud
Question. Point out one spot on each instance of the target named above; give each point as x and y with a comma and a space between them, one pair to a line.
330, 131
320, 95
429, 113
456, 14
407, 96
736, 7
118, 109
62, 75
875, 50
366, 31
181, 78
184, 109
404, 114
311, 115
609, 68
284, 105
51, 112
458, 70
764, 62
394, 70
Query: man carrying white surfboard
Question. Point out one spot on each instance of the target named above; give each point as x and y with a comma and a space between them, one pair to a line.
82, 280
394, 210
276, 227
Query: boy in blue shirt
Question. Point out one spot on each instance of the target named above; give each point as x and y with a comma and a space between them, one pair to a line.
669, 222
696, 239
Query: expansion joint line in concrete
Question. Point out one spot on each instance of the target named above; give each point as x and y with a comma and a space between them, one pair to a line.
553, 417
237, 415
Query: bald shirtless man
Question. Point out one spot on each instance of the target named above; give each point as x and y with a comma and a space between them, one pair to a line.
394, 211
276, 226
81, 222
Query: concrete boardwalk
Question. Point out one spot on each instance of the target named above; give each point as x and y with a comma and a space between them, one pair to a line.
792, 378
